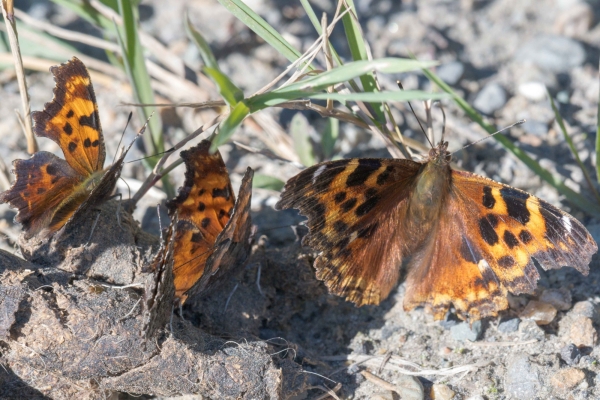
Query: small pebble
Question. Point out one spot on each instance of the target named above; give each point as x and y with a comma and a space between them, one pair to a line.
490, 98
441, 392
529, 330
464, 332
451, 72
585, 309
553, 53
536, 128
567, 378
410, 388
582, 332
534, 91
541, 313
444, 351
559, 298
570, 354
509, 325
476, 397
450, 320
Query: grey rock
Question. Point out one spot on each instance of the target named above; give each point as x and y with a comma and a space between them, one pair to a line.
490, 98
451, 72
509, 325
463, 331
530, 330
552, 52
522, 380
409, 387
559, 298
570, 354
585, 309
449, 321
534, 127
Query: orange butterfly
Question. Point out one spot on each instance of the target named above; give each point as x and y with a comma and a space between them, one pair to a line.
49, 192
212, 237
460, 239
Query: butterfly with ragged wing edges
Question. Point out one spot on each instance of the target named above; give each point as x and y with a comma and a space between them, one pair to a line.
50, 192
459, 239
213, 228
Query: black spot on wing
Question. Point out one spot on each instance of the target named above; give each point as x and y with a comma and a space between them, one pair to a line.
197, 237
468, 252
506, 262
70, 114
488, 200
348, 205
225, 193
365, 168
201, 206
340, 226
88, 120
525, 236
367, 206
205, 222
339, 197
516, 204
368, 231
87, 142
487, 226
384, 176
510, 239
72, 146
68, 128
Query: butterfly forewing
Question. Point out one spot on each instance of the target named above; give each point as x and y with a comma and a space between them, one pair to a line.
71, 118
355, 210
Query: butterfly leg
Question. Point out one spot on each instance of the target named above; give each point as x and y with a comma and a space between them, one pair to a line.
230, 296
93, 229
118, 209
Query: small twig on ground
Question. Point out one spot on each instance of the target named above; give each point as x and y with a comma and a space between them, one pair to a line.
379, 382
328, 392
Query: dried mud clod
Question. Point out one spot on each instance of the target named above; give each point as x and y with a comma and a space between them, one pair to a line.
72, 317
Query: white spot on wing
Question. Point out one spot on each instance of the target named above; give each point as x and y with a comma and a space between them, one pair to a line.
353, 236
566, 223
318, 172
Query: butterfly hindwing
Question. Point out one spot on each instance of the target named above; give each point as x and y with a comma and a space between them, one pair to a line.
354, 209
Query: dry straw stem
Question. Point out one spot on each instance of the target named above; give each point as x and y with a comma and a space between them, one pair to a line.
11, 30
328, 392
379, 382
167, 82
398, 364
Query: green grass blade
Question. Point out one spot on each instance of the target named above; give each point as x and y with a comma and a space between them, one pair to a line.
270, 99
355, 69
563, 128
358, 49
230, 93
299, 131
574, 197
267, 182
329, 137
133, 59
229, 125
262, 28
205, 51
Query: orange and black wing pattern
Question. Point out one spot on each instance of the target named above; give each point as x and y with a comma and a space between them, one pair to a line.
354, 208
210, 220
483, 248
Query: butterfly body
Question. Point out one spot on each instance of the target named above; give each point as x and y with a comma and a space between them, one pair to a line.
460, 239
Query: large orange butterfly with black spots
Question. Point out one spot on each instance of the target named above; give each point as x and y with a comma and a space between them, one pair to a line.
459, 239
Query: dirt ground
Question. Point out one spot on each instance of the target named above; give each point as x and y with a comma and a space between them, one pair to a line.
68, 331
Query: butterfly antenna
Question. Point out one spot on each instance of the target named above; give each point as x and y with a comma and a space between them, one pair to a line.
415, 114
123, 134
439, 104
492, 134
172, 149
